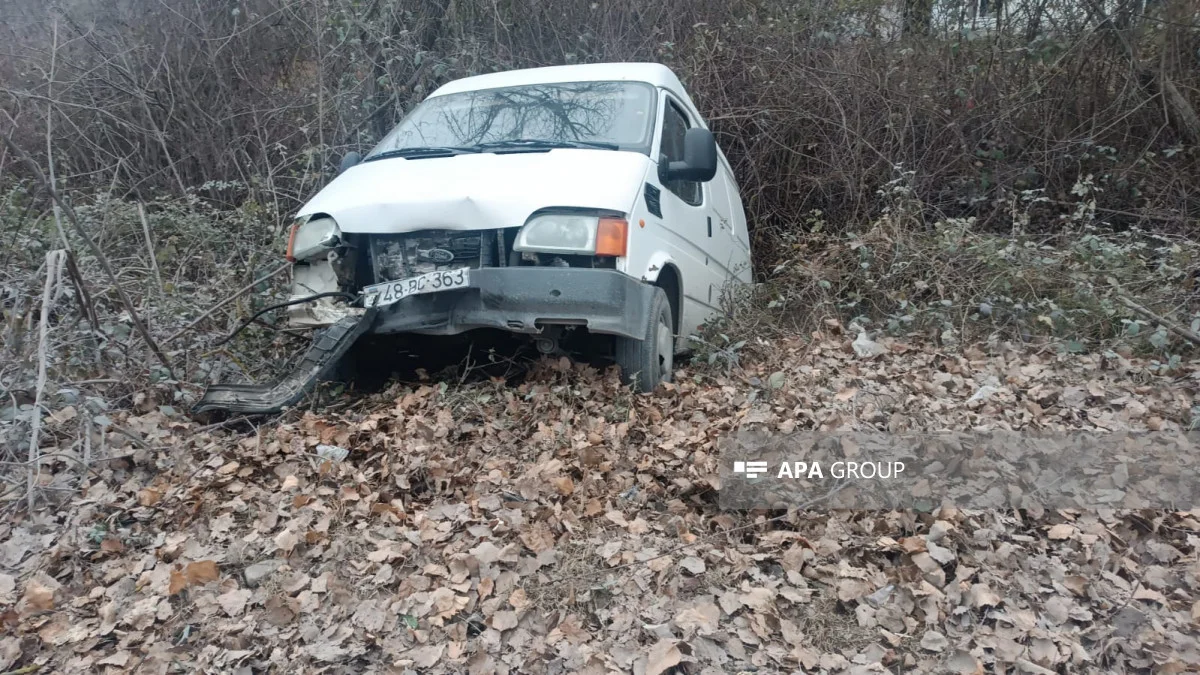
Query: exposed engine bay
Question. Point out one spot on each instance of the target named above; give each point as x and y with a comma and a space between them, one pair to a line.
399, 256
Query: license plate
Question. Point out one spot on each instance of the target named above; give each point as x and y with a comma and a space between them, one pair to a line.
391, 292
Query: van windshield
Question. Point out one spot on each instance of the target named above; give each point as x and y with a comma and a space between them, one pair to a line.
616, 115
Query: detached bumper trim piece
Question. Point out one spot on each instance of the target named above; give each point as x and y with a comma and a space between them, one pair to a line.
327, 349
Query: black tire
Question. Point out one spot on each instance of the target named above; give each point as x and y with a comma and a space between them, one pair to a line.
643, 362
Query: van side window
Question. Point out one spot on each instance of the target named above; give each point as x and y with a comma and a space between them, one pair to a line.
675, 125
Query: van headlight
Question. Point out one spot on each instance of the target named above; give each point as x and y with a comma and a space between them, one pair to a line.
573, 233
313, 237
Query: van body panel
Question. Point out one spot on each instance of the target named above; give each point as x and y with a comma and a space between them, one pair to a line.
477, 191
695, 238
732, 256
498, 190
497, 203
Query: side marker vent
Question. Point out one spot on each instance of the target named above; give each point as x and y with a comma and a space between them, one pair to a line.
654, 200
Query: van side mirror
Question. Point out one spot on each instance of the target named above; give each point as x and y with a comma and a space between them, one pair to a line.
699, 157
349, 160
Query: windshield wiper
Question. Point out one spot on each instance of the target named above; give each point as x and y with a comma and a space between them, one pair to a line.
415, 153
540, 144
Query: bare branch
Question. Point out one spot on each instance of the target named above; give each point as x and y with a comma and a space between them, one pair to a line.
94, 248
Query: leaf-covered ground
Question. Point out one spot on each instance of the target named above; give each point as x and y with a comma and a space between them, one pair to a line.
567, 525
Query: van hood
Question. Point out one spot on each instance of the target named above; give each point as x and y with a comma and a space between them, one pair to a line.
477, 191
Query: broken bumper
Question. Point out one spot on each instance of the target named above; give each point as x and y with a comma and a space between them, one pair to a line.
524, 300
518, 299
329, 346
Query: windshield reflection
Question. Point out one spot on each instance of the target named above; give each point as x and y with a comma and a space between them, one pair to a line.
616, 113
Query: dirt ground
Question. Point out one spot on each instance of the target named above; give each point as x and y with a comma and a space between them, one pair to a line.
564, 524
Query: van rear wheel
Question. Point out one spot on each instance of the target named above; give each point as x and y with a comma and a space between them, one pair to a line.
647, 362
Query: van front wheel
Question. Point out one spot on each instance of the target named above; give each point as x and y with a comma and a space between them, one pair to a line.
647, 362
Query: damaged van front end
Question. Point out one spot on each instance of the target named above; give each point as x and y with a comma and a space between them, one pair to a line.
515, 241
526, 235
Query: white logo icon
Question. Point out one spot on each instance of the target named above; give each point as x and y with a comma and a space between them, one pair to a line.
751, 469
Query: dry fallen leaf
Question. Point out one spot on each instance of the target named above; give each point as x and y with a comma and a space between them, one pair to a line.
617, 517
934, 641
1143, 593
518, 599
983, 596
701, 619
963, 663
594, 507
149, 496
663, 655
427, 656
504, 620
178, 581
693, 564
112, 545
564, 485
202, 572
1061, 531
234, 601
119, 659
8, 586
38, 596
760, 599
279, 611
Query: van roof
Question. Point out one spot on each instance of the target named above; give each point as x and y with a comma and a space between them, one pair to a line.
652, 73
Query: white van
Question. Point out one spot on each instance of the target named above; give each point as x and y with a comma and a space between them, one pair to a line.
534, 201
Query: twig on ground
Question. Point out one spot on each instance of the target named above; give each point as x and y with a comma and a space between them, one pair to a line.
1169, 325
63, 455
132, 437
218, 425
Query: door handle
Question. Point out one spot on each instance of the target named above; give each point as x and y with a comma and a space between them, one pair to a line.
710, 227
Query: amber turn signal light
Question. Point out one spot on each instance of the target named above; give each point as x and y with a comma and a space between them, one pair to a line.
612, 236
291, 247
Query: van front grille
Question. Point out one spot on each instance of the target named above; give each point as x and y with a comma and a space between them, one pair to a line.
399, 256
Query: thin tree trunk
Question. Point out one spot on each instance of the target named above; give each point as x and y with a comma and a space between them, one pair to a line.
54, 271
1180, 111
62, 234
150, 247
1175, 52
